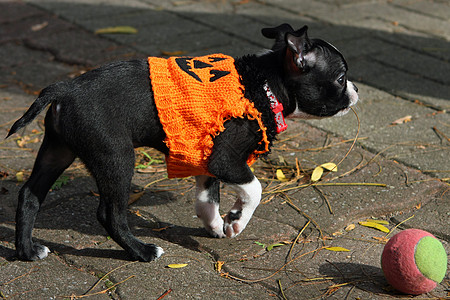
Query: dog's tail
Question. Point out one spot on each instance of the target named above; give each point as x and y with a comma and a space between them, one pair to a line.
46, 97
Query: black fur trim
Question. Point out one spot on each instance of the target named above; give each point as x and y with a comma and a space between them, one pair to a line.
253, 76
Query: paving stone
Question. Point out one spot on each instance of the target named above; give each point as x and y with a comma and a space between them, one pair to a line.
382, 41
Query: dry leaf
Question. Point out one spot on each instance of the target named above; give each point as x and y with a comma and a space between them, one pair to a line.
402, 120
374, 225
382, 222
317, 174
329, 166
117, 30
381, 239
19, 176
350, 227
176, 266
137, 213
280, 175
135, 197
337, 249
218, 265
38, 27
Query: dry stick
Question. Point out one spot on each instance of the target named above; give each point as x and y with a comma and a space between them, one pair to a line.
100, 280
399, 225
322, 195
327, 184
270, 276
441, 133
359, 166
290, 203
101, 292
296, 239
155, 181
32, 270
281, 289
323, 147
165, 294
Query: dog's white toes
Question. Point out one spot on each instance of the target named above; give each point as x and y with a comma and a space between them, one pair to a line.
43, 252
215, 228
159, 252
233, 229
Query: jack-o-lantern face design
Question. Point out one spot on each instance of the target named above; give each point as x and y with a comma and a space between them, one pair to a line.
201, 70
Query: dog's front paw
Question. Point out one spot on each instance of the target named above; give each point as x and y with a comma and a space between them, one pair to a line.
234, 223
35, 252
216, 228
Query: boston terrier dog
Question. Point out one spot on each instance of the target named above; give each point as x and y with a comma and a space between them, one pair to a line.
102, 115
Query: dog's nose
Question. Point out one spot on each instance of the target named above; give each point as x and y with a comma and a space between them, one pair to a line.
355, 87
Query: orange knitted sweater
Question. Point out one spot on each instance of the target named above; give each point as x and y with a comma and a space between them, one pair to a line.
194, 97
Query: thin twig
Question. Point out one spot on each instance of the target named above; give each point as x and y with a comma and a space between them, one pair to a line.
276, 272
165, 294
281, 289
104, 276
290, 203
324, 198
441, 133
296, 239
398, 225
32, 270
326, 184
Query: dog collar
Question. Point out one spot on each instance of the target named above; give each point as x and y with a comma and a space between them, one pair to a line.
277, 109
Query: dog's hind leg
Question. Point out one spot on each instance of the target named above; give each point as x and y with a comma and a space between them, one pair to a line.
53, 158
207, 205
113, 169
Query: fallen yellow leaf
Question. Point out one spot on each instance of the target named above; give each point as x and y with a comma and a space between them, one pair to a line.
350, 227
402, 120
330, 167
176, 266
280, 175
383, 222
218, 265
117, 29
317, 174
374, 225
19, 176
338, 249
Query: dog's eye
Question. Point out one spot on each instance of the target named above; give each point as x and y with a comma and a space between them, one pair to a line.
341, 80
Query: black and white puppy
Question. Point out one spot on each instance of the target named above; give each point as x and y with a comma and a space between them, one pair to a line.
102, 115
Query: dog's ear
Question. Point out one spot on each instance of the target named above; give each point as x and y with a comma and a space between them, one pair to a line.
299, 43
278, 33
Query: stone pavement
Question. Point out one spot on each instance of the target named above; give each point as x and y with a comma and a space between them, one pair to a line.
398, 54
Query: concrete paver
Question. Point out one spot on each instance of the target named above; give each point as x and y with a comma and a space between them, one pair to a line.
398, 55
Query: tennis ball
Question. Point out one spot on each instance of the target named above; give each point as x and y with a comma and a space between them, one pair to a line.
414, 261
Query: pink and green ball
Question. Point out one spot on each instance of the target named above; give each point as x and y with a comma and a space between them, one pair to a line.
414, 261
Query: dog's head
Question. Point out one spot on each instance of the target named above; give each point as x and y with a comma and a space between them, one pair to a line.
314, 74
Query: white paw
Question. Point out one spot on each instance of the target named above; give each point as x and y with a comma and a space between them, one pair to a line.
159, 252
234, 223
215, 228
43, 252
